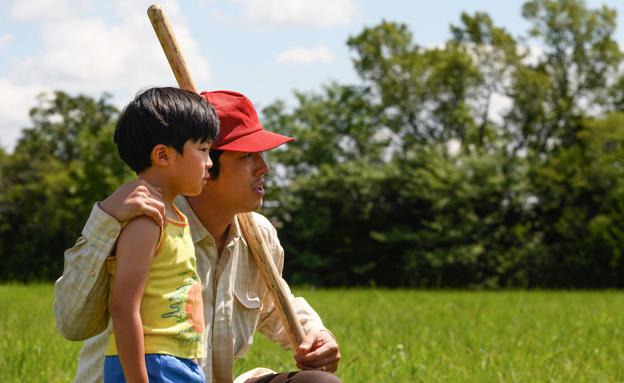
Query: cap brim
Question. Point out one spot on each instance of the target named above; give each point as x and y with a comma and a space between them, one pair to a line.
258, 141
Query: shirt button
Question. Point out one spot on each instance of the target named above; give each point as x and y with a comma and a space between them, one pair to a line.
111, 234
92, 273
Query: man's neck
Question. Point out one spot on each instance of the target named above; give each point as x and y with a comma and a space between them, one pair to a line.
216, 219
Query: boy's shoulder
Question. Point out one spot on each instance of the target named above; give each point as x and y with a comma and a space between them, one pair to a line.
141, 229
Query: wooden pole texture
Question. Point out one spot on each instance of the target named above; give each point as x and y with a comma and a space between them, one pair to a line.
171, 48
272, 279
257, 247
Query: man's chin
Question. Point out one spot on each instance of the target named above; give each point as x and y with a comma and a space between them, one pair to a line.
252, 207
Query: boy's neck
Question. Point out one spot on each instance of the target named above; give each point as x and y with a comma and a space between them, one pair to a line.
168, 195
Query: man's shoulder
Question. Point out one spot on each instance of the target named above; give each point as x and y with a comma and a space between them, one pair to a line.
265, 226
262, 221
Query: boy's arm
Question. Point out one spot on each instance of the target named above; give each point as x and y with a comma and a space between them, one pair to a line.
81, 293
135, 251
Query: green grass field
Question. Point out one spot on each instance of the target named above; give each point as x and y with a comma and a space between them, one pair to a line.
388, 336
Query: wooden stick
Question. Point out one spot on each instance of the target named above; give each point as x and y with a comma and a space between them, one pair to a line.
257, 247
272, 279
171, 48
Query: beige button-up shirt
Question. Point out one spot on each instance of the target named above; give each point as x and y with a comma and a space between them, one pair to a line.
236, 302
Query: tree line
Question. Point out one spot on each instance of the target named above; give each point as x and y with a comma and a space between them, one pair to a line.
492, 161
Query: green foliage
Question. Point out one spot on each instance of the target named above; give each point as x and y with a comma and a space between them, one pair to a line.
580, 58
61, 165
490, 161
581, 206
424, 92
410, 179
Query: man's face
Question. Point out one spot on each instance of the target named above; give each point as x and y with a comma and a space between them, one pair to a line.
240, 184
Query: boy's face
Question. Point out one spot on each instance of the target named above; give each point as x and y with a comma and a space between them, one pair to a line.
192, 167
240, 184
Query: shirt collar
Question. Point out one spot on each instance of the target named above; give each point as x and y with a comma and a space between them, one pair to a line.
198, 231
235, 232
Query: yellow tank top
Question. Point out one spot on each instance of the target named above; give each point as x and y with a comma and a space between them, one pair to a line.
171, 308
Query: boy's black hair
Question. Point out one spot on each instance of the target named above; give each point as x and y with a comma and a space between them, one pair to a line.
168, 116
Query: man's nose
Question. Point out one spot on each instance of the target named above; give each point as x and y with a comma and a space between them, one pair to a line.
262, 164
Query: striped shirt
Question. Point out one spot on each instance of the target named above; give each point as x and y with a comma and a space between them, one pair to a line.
236, 302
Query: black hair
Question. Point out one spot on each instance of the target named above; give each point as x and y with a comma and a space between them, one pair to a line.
168, 116
214, 157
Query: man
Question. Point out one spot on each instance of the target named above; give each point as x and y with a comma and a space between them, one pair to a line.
236, 302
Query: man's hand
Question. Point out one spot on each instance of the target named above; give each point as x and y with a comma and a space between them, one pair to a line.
134, 199
318, 351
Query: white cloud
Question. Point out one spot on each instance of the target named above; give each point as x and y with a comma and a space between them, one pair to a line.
93, 54
15, 102
5, 39
299, 55
311, 13
36, 9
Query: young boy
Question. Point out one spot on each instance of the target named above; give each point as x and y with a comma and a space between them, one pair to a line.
164, 135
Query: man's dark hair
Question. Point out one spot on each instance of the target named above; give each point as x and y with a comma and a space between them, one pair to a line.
215, 169
168, 116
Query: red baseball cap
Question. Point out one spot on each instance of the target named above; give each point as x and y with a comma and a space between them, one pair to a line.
241, 130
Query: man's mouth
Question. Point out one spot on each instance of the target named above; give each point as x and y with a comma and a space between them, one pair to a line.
258, 187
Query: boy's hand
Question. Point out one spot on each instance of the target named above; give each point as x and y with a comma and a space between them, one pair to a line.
134, 199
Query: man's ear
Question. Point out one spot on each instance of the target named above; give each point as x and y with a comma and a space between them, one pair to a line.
161, 155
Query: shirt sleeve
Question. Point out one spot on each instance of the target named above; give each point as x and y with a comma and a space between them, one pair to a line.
81, 293
270, 323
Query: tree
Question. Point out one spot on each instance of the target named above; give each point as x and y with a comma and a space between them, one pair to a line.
424, 92
580, 209
497, 56
516, 204
580, 57
61, 165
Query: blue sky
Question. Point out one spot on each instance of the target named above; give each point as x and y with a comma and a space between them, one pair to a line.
263, 48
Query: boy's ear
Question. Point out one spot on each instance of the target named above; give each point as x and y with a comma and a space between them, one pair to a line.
161, 155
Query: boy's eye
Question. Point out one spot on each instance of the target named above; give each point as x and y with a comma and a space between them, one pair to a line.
205, 146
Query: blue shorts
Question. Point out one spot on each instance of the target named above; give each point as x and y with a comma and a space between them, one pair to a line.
160, 369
